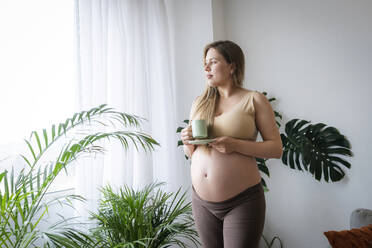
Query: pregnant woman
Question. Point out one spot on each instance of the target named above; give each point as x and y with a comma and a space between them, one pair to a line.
228, 200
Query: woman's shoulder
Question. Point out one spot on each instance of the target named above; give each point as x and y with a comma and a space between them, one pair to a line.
255, 97
246, 92
258, 99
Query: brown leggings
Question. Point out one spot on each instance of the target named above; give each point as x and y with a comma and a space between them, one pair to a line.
234, 223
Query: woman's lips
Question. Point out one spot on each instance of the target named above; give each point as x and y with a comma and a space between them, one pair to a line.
209, 76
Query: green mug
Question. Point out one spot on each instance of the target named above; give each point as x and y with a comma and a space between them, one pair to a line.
199, 129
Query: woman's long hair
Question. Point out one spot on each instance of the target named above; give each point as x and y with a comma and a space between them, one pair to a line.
204, 106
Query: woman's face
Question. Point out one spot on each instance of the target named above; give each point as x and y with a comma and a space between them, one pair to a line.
217, 70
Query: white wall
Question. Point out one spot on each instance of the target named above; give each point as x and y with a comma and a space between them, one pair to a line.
218, 20
315, 57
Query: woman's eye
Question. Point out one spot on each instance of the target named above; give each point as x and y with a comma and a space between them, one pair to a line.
211, 62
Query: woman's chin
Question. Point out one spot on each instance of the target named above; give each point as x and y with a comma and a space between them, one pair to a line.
212, 83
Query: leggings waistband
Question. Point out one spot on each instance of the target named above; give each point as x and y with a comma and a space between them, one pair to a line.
252, 192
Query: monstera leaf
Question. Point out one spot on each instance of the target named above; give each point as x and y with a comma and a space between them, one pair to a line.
316, 149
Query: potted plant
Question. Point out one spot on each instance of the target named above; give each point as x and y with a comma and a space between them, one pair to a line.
128, 218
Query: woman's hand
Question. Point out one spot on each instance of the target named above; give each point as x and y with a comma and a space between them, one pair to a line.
186, 135
223, 144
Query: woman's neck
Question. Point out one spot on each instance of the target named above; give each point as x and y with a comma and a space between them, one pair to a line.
227, 91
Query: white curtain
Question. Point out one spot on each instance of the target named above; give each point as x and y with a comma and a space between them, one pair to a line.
124, 58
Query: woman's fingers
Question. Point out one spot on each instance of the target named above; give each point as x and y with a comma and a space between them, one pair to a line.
186, 137
186, 131
186, 134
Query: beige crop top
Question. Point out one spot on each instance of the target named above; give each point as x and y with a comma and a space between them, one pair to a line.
238, 122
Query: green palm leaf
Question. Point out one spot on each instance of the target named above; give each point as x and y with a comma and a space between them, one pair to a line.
316, 149
101, 116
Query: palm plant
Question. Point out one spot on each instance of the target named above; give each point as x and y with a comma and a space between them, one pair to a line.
130, 218
22, 203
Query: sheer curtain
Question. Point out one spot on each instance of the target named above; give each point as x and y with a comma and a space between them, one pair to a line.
124, 60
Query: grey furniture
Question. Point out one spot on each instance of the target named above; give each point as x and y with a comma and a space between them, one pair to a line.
360, 217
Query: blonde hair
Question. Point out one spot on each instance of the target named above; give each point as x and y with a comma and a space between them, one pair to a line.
206, 103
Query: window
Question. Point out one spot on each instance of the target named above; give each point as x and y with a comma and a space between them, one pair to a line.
37, 85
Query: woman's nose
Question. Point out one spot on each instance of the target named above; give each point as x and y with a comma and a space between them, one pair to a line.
206, 68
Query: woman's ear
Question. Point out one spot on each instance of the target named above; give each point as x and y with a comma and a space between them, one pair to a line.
233, 67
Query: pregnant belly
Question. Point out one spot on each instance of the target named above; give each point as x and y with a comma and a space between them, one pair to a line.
218, 177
